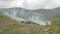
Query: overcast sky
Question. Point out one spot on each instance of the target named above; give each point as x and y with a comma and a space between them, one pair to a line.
30, 4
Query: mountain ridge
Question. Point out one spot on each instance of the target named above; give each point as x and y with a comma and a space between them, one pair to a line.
43, 11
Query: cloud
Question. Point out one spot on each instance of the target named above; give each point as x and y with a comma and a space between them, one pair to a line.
41, 4
5, 3
30, 4
10, 3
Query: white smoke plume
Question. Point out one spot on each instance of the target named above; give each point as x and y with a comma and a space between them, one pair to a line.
26, 15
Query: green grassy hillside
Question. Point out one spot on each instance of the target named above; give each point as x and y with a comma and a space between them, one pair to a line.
55, 27
9, 26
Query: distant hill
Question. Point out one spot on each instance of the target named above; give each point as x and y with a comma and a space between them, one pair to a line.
50, 12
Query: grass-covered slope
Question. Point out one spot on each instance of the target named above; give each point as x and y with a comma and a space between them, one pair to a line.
55, 27
9, 26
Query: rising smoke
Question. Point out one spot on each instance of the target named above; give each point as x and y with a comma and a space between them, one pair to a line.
20, 14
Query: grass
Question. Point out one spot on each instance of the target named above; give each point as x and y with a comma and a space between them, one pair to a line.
9, 26
55, 27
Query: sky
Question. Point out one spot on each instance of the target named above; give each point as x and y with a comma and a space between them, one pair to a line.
30, 4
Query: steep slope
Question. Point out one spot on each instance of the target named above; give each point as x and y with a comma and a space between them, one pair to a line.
9, 26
